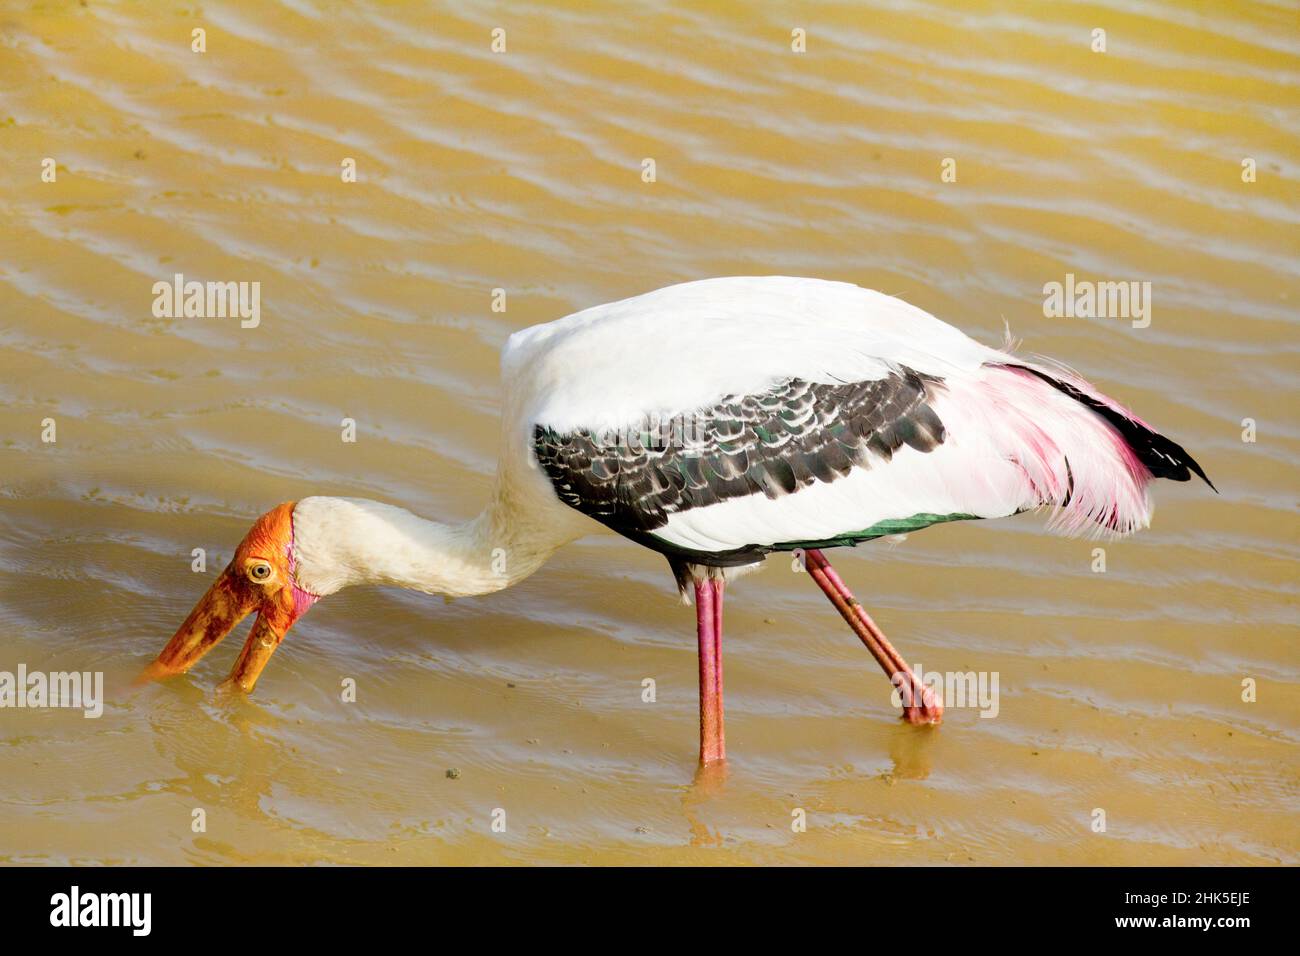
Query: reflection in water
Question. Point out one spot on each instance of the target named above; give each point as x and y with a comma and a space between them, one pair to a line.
912, 749
705, 790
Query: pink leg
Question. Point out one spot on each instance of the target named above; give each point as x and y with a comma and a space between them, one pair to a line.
708, 622
930, 708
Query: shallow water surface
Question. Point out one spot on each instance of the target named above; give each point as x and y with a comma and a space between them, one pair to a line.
1119, 691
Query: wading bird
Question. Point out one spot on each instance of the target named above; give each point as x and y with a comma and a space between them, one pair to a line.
716, 422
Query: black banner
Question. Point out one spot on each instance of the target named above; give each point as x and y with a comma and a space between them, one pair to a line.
331, 906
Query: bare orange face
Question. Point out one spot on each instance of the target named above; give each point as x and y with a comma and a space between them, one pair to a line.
258, 578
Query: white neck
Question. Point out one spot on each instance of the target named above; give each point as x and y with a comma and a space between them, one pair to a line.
344, 541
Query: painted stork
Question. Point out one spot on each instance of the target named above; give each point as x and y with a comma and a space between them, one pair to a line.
715, 422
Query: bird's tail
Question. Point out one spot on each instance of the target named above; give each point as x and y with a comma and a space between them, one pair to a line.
1078, 451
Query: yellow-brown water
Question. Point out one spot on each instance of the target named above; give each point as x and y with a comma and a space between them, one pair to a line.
522, 170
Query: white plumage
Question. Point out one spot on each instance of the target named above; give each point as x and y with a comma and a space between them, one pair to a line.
1013, 442
685, 346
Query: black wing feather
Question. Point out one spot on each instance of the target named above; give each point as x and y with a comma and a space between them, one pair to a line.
774, 443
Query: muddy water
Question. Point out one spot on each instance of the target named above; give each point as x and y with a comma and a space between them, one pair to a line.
1120, 690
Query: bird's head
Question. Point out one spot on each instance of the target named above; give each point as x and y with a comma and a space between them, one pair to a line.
259, 578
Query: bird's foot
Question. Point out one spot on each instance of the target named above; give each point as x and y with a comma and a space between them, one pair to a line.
921, 705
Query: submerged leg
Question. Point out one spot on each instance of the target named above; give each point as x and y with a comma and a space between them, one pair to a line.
920, 705
708, 622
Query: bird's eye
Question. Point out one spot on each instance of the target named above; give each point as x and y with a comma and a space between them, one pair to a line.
259, 571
